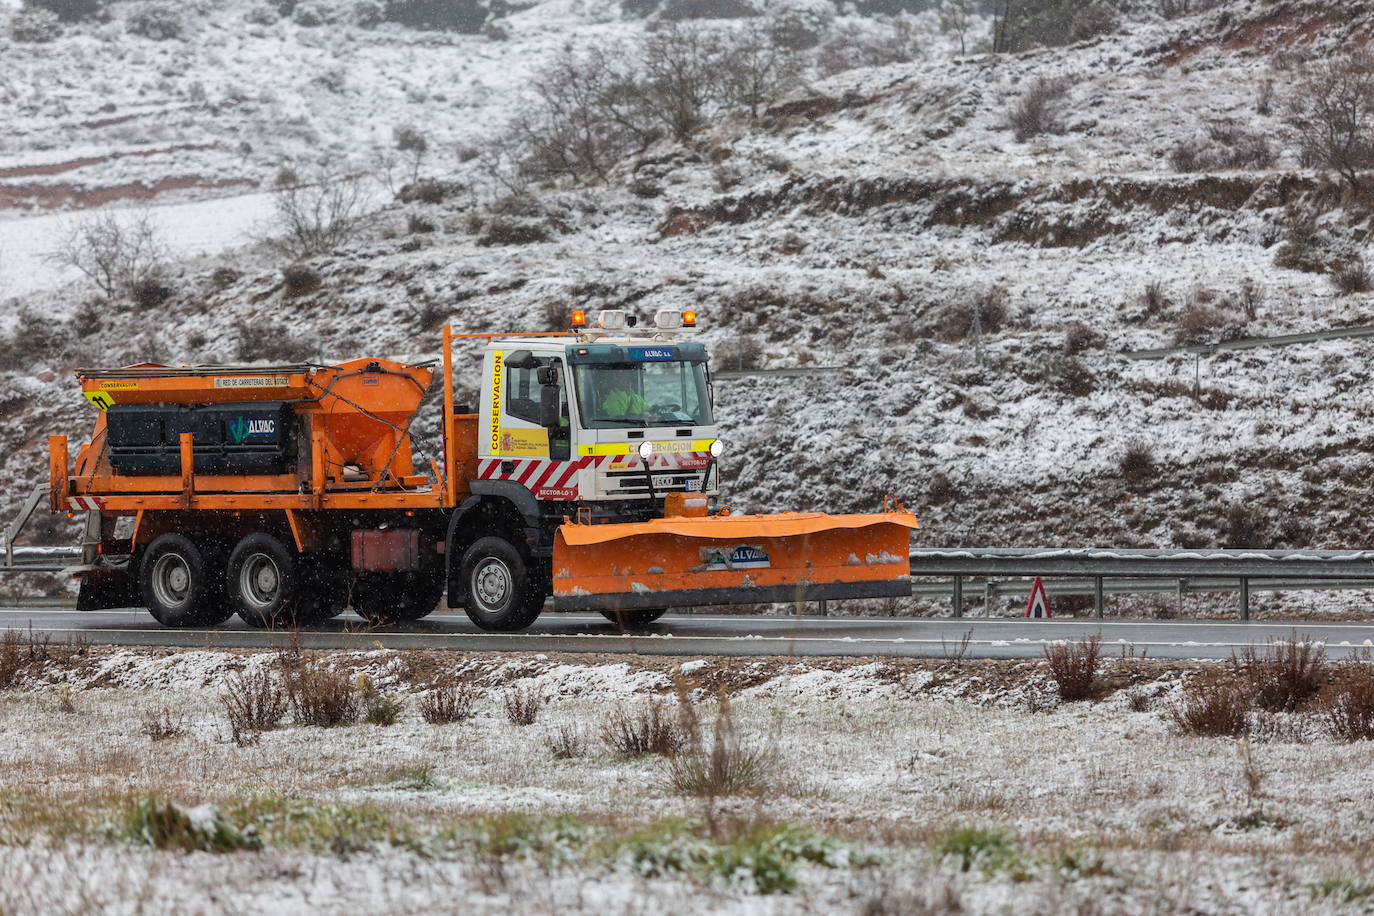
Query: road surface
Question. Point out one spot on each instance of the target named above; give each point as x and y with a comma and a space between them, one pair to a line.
720, 635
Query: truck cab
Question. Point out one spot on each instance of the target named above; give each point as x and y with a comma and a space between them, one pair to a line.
612, 418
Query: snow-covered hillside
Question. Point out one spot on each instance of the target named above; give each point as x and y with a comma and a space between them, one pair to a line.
854, 224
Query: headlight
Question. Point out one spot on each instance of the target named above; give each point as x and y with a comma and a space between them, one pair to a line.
716, 448
646, 450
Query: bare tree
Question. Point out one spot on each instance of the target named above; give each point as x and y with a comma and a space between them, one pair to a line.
115, 253
317, 216
413, 144
683, 65
756, 69
957, 16
1332, 112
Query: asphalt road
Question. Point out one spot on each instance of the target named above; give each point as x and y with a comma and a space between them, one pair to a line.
719, 635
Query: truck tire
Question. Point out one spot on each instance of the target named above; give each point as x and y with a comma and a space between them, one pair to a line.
496, 582
324, 591
636, 618
264, 582
382, 598
179, 584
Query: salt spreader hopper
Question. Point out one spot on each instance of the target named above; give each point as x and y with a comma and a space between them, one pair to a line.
587, 473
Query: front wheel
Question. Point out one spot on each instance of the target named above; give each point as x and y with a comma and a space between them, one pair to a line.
638, 618
496, 579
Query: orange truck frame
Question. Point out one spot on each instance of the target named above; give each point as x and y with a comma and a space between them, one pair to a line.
286, 494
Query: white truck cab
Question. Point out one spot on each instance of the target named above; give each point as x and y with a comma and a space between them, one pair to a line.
612, 413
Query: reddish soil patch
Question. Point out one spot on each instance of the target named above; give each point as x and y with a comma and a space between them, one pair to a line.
57, 168
54, 197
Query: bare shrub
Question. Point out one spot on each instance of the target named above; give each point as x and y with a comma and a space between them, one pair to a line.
1073, 377
1243, 526
315, 217
418, 223
565, 742
1138, 463
270, 341
1213, 706
162, 724
70, 10
1138, 699
1331, 111
1349, 710
503, 230
300, 279
871, 43
940, 489
1155, 298
1251, 296
320, 696
1073, 666
731, 765
1203, 323
986, 313
756, 69
741, 353
1079, 337
114, 253
1037, 111
159, 20
411, 143
378, 708
1284, 675
1228, 145
449, 700
11, 659
1303, 246
36, 335
1352, 276
648, 729
35, 26
253, 702
522, 704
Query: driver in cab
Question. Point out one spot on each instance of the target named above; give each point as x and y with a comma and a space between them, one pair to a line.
619, 401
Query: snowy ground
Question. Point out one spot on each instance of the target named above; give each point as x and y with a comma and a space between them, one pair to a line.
1098, 808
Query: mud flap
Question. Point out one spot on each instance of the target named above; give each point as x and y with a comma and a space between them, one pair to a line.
714, 560
104, 588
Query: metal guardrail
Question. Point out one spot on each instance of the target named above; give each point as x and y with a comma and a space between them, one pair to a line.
1102, 571
1254, 343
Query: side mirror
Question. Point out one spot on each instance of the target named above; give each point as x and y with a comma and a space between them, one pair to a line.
547, 376
549, 403
521, 359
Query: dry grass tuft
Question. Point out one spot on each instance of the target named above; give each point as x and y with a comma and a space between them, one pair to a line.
648, 729
1213, 706
1349, 711
253, 701
162, 724
730, 766
565, 742
522, 704
320, 696
1073, 665
448, 701
1285, 674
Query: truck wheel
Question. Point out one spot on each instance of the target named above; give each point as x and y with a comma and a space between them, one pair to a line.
263, 581
177, 582
495, 578
382, 598
637, 618
324, 592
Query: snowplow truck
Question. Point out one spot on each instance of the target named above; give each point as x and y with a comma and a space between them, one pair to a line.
587, 474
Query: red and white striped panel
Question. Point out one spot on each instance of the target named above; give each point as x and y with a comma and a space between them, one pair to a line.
686, 461
545, 478
85, 503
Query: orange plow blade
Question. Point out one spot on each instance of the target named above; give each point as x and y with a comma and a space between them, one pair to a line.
743, 559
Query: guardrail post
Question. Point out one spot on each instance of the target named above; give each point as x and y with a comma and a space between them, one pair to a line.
958, 596
1099, 601
987, 597
825, 607
1244, 599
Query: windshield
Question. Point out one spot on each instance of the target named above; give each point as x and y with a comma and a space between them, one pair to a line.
669, 393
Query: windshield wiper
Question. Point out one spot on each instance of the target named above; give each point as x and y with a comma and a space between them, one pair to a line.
624, 421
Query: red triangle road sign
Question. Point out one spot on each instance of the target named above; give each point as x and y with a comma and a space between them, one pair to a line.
1038, 605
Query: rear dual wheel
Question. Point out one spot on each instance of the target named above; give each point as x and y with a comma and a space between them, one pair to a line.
272, 586
181, 583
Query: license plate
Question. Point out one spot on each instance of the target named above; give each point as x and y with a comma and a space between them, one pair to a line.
694, 485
